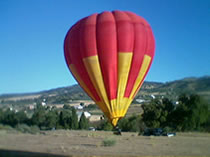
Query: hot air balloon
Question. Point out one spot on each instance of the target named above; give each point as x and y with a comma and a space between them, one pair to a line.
109, 54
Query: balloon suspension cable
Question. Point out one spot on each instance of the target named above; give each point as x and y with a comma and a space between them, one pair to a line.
117, 130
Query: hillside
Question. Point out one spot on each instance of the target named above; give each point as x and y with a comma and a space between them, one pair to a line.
200, 86
171, 90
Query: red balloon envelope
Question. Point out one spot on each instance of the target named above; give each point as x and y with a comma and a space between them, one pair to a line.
109, 54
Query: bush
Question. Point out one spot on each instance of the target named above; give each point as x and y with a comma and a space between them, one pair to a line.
133, 124
23, 128
5, 127
108, 127
105, 125
108, 142
27, 129
34, 129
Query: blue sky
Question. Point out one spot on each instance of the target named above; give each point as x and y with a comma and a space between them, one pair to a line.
32, 34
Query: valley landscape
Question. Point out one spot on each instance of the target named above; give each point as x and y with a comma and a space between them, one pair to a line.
92, 143
171, 90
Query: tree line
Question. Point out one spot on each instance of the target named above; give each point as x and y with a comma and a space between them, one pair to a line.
190, 113
46, 118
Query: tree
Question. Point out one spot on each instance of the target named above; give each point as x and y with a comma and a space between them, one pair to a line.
21, 117
191, 113
123, 124
38, 117
206, 125
83, 123
39, 106
65, 119
179, 117
1, 116
65, 106
74, 119
51, 119
11, 118
133, 123
158, 113
82, 104
2, 101
199, 111
68, 119
105, 125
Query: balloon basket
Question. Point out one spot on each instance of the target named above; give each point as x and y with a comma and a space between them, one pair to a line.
117, 131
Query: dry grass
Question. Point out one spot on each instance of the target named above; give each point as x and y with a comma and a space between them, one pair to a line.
89, 143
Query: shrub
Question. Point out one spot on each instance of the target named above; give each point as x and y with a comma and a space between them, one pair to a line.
5, 127
107, 126
27, 129
23, 128
34, 129
108, 142
133, 124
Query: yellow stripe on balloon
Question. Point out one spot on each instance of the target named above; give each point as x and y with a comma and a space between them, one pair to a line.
112, 117
124, 64
142, 72
82, 84
103, 107
114, 121
94, 71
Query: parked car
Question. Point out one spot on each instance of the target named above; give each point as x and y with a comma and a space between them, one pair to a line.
91, 129
157, 132
148, 132
170, 134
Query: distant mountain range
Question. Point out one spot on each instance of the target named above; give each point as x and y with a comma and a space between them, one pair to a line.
171, 90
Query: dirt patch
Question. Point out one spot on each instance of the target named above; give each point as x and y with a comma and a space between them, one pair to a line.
89, 143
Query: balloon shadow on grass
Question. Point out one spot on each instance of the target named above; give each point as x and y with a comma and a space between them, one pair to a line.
17, 153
